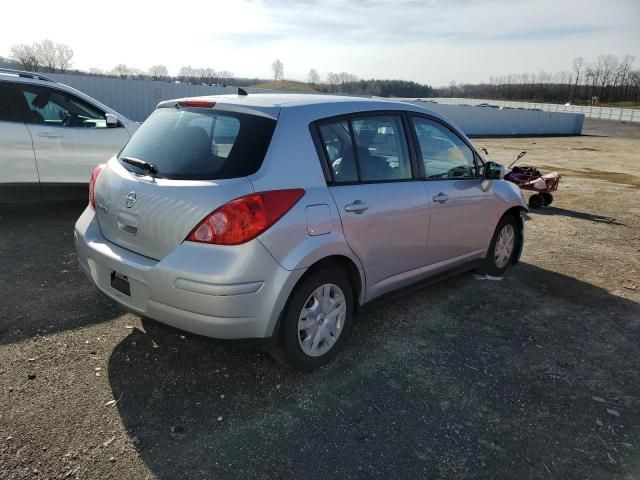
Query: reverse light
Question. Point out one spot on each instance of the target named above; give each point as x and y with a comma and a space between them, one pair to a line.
193, 102
244, 218
92, 184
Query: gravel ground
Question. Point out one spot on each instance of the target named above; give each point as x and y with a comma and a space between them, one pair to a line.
534, 376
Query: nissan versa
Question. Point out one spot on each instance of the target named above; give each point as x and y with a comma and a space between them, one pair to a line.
276, 216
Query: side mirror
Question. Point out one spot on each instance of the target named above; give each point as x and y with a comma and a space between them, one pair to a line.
492, 171
112, 120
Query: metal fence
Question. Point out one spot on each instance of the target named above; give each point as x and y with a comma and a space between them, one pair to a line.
477, 121
136, 99
606, 113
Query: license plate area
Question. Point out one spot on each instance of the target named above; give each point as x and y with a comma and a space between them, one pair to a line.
120, 283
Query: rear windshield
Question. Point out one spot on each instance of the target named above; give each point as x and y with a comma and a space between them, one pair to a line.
199, 145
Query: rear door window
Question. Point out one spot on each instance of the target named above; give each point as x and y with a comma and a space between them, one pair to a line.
367, 149
381, 148
10, 108
337, 143
198, 144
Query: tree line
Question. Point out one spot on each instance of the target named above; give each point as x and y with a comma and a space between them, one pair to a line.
49, 56
349, 83
606, 79
44, 56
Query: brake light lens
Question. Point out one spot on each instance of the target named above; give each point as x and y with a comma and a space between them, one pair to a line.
193, 102
244, 218
92, 184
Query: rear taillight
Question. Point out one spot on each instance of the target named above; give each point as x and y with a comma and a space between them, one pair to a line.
244, 218
92, 185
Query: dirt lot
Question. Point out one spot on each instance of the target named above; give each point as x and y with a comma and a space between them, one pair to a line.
535, 376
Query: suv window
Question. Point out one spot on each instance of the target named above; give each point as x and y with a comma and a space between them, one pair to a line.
380, 153
444, 154
206, 145
48, 106
5, 112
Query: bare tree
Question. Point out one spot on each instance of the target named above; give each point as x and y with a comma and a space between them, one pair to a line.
210, 75
47, 54
121, 70
278, 70
96, 71
64, 55
578, 65
333, 79
225, 75
344, 77
135, 72
26, 56
313, 77
158, 72
186, 74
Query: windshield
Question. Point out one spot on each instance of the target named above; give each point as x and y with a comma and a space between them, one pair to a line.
190, 144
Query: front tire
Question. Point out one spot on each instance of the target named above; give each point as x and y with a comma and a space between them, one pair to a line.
316, 321
502, 248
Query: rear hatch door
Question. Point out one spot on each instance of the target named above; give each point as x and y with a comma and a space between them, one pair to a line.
200, 157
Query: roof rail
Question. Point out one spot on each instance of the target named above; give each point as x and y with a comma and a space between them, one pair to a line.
25, 74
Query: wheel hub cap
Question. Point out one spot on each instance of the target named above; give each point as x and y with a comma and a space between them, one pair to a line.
321, 320
504, 246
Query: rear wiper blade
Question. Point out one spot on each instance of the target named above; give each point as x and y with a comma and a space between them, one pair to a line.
136, 162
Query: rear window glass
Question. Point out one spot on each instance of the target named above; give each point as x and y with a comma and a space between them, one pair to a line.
189, 144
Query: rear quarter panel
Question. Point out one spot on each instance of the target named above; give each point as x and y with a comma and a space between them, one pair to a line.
292, 162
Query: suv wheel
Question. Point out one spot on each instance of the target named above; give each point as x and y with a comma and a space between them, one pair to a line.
502, 247
316, 320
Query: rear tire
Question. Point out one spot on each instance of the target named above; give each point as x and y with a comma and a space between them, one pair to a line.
547, 198
316, 320
502, 248
536, 201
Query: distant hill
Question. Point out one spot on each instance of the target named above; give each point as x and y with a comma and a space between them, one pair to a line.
286, 85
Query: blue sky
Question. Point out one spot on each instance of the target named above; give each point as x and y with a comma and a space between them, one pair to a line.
431, 41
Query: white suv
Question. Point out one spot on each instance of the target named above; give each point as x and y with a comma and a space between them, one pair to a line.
52, 137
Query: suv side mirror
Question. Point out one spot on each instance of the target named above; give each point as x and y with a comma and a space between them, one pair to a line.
492, 171
112, 120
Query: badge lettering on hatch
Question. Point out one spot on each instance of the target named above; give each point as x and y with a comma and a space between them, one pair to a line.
130, 200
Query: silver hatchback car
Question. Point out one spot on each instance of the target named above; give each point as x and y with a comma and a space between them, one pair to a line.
275, 216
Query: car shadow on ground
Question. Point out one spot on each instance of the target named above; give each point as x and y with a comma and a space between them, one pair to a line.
575, 214
42, 289
530, 377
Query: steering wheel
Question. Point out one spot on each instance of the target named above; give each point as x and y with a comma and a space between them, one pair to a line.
458, 171
66, 121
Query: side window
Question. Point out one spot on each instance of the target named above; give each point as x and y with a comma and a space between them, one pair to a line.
336, 140
381, 148
5, 111
367, 149
47, 106
444, 154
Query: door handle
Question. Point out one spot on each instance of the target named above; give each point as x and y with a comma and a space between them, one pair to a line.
50, 135
358, 206
441, 198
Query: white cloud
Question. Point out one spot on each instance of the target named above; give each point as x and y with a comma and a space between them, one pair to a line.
428, 41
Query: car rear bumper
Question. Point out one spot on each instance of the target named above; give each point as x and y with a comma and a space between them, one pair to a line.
223, 292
